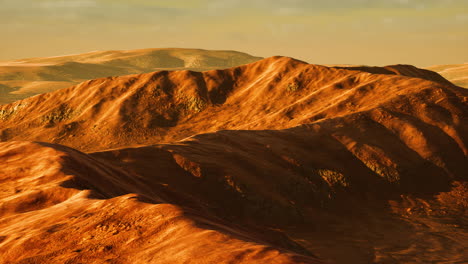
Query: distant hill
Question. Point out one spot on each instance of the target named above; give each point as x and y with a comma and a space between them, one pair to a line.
456, 73
23, 78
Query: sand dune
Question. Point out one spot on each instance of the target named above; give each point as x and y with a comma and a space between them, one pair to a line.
28, 77
456, 73
276, 161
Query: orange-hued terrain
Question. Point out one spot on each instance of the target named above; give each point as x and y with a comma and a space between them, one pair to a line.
277, 161
23, 78
456, 73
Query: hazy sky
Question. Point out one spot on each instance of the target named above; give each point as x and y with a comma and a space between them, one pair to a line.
373, 32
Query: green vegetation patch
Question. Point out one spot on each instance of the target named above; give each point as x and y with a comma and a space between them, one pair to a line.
333, 178
9, 112
194, 104
292, 87
389, 173
61, 113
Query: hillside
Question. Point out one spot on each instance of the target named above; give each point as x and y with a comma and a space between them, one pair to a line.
20, 79
277, 161
456, 73
53, 216
274, 93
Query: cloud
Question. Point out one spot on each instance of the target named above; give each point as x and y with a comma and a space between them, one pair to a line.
59, 4
462, 18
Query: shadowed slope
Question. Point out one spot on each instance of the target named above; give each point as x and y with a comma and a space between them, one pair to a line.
359, 184
47, 214
28, 77
341, 167
276, 174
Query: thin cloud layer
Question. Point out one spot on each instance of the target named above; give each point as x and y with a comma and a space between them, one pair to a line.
306, 29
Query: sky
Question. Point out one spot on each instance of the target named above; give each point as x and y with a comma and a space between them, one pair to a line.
370, 32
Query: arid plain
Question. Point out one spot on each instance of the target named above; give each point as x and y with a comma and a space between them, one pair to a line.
221, 157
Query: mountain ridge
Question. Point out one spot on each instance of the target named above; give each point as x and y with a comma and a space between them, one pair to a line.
27, 77
166, 101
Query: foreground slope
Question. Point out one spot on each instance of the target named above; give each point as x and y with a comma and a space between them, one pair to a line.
362, 165
456, 73
27, 77
62, 206
322, 184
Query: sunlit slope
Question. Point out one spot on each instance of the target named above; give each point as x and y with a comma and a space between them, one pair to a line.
274, 93
23, 78
456, 73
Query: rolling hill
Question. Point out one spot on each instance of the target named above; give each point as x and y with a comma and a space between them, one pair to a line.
277, 161
27, 77
456, 73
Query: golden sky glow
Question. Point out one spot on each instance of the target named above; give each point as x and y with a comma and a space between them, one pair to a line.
373, 32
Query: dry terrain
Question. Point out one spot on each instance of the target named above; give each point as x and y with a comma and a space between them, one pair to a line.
277, 161
456, 73
23, 78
